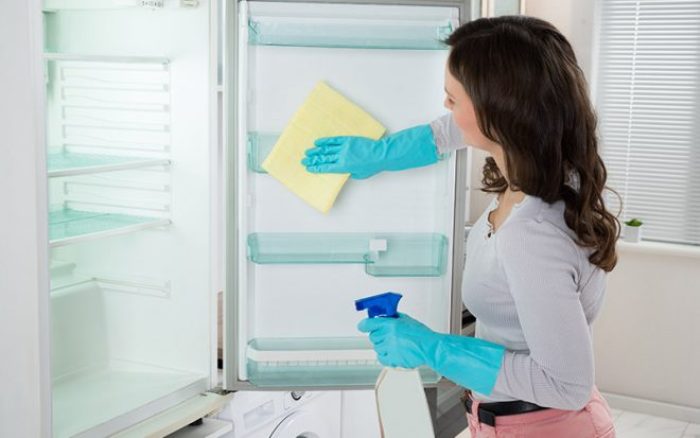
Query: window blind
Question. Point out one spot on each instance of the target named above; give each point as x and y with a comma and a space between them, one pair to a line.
648, 103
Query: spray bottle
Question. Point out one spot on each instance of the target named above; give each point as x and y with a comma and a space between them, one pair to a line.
401, 403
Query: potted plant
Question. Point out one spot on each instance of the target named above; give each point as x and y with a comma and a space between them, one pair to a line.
633, 230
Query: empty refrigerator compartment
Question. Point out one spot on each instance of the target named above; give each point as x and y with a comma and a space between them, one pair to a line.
86, 399
108, 145
348, 361
383, 255
107, 115
66, 225
96, 378
350, 26
65, 277
99, 205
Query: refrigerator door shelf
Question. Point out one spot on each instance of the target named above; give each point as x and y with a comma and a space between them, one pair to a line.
259, 147
68, 226
319, 362
361, 35
384, 27
313, 350
384, 255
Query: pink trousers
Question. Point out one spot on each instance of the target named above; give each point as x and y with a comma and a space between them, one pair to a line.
593, 421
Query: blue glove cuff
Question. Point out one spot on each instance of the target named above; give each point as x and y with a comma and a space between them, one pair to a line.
470, 362
409, 148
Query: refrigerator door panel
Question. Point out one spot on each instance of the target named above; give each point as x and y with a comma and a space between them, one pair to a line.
293, 273
129, 142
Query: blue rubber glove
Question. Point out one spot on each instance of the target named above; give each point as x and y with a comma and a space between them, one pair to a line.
363, 157
404, 342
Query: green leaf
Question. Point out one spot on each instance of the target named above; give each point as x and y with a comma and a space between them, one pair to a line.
634, 222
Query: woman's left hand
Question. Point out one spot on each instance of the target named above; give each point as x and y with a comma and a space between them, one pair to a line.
400, 342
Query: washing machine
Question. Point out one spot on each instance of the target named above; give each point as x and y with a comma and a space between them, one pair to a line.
295, 414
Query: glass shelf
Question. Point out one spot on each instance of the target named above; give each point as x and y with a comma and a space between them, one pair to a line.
349, 33
383, 255
68, 163
319, 362
69, 226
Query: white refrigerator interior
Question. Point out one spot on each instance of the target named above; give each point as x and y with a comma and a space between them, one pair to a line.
128, 133
297, 272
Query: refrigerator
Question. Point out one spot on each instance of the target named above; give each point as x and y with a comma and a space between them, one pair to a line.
159, 114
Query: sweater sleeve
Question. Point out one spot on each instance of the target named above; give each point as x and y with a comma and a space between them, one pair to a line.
541, 264
447, 135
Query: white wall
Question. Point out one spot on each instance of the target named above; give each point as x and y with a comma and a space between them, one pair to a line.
574, 19
24, 399
648, 333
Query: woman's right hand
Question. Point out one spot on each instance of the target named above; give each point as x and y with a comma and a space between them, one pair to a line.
363, 157
346, 154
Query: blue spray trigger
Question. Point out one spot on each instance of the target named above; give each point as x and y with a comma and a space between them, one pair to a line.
385, 304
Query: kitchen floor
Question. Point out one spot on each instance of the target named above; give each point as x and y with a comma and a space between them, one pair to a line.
627, 424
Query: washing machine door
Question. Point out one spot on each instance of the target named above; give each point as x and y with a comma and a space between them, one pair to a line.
302, 424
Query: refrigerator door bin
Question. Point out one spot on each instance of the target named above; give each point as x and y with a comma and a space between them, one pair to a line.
382, 27
319, 362
384, 255
259, 147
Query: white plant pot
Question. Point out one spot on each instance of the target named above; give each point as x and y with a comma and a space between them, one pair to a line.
632, 234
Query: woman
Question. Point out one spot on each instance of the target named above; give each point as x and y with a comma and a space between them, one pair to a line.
537, 258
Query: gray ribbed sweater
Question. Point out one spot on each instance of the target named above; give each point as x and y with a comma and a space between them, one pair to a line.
532, 290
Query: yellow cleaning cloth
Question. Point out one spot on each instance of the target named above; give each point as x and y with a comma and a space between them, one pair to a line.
325, 113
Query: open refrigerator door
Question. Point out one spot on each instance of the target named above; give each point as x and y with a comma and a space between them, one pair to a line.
293, 273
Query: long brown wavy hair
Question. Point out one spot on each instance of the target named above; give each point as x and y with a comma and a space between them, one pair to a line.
531, 97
